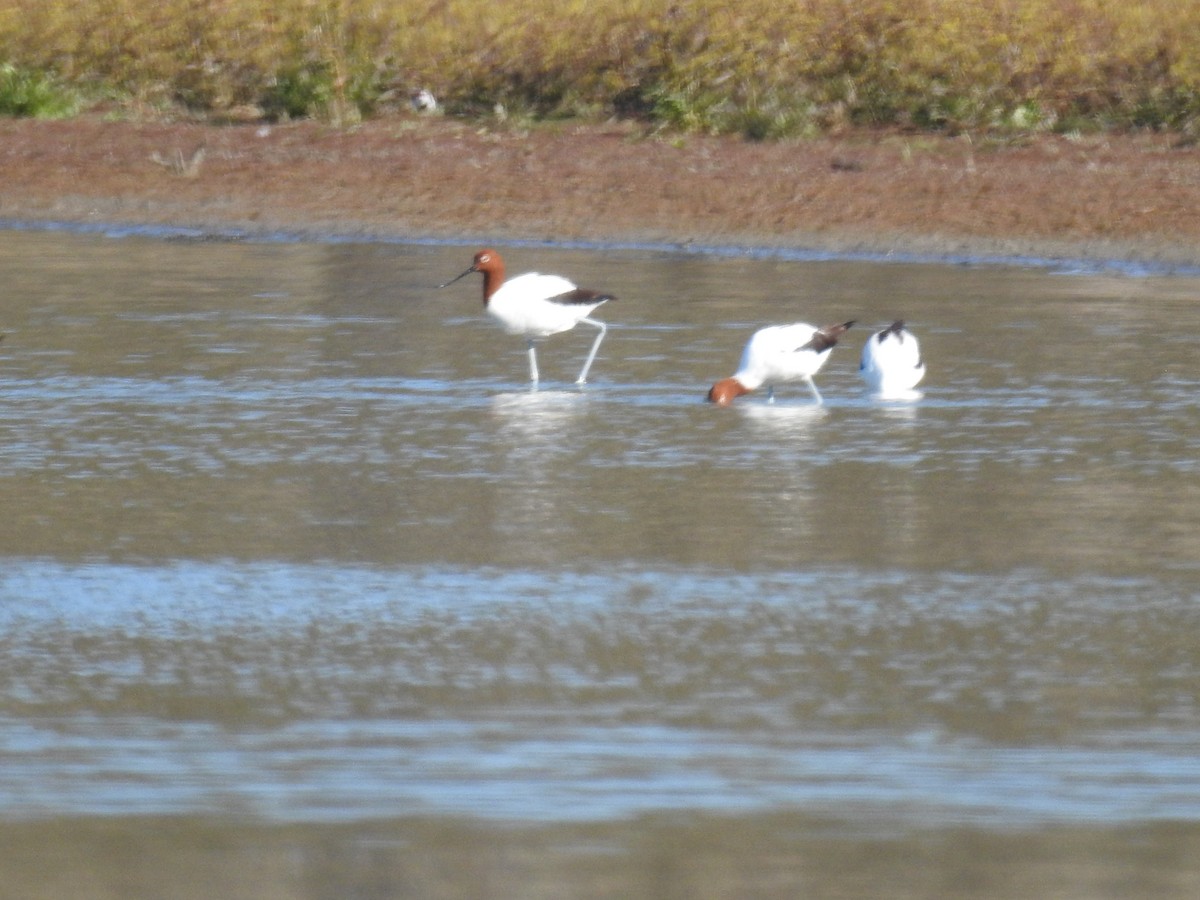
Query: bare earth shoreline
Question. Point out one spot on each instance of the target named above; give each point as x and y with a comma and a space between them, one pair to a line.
1120, 197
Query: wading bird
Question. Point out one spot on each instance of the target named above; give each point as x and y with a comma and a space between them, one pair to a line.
536, 306
776, 355
891, 362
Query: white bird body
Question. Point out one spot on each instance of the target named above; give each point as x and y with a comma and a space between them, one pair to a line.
891, 362
536, 306
526, 306
779, 354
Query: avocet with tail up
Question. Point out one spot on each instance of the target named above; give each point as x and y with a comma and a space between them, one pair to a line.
891, 363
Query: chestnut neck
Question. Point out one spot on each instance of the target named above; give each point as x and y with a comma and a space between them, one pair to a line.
724, 391
489, 264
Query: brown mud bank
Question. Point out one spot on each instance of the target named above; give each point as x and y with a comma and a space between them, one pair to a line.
1124, 197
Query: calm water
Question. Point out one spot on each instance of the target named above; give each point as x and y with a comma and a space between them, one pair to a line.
288, 539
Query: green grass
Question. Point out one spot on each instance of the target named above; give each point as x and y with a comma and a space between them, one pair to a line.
25, 92
756, 67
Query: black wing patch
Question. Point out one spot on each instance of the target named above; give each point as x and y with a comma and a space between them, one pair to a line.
825, 338
580, 296
896, 328
820, 342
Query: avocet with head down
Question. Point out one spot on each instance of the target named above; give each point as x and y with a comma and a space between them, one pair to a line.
891, 362
779, 354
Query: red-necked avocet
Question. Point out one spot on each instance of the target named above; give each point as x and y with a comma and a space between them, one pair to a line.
779, 354
891, 362
536, 306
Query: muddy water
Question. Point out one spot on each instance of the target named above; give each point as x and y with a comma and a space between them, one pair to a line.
294, 566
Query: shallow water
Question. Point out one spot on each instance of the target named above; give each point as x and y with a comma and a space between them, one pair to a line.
288, 538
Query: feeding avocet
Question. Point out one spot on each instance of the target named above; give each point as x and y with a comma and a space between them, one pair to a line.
891, 362
778, 354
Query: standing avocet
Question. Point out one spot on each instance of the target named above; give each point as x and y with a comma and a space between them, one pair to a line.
536, 306
891, 362
779, 354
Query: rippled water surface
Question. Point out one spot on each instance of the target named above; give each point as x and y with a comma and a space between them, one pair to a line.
287, 538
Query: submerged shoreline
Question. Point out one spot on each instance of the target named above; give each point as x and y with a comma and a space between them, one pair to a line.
1123, 204
1069, 260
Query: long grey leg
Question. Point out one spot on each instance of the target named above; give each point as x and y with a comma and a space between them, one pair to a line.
595, 346
815, 392
533, 370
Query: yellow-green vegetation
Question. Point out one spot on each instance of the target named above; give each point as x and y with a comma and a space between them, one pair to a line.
760, 67
24, 92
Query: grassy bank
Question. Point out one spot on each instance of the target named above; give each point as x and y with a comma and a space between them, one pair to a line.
755, 67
